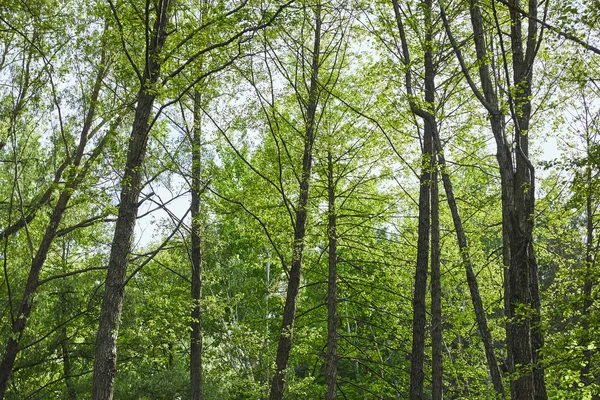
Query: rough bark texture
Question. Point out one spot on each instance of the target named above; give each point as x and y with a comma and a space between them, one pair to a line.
72, 181
521, 293
332, 316
527, 339
196, 334
112, 303
289, 312
437, 372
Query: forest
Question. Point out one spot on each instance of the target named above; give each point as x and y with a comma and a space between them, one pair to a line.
299, 199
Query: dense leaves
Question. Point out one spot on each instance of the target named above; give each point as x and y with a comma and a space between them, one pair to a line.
276, 115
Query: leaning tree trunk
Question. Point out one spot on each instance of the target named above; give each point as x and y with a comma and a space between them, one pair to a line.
332, 315
106, 340
480, 315
196, 334
289, 311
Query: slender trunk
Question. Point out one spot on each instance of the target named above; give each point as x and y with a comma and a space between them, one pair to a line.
422, 265
480, 316
437, 373
196, 334
71, 392
332, 316
420, 290
20, 322
588, 285
106, 340
289, 312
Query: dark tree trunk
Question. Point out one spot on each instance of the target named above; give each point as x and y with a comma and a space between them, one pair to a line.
527, 338
332, 315
437, 372
420, 290
521, 293
72, 181
289, 312
112, 303
196, 334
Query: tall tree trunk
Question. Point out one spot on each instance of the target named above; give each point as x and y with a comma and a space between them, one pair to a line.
480, 316
72, 181
420, 290
106, 340
521, 294
332, 315
589, 266
437, 372
527, 337
289, 312
196, 334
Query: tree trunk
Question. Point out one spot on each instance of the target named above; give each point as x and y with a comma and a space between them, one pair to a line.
521, 292
106, 340
480, 316
437, 372
420, 290
527, 337
196, 334
289, 311
332, 315
589, 265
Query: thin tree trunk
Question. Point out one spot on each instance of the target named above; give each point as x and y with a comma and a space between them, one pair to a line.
196, 334
289, 312
20, 322
106, 340
71, 392
437, 372
420, 290
589, 265
480, 316
332, 315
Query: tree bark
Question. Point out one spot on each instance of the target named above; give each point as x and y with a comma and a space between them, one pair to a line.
289, 312
422, 266
332, 315
437, 372
196, 334
527, 337
112, 303
521, 292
